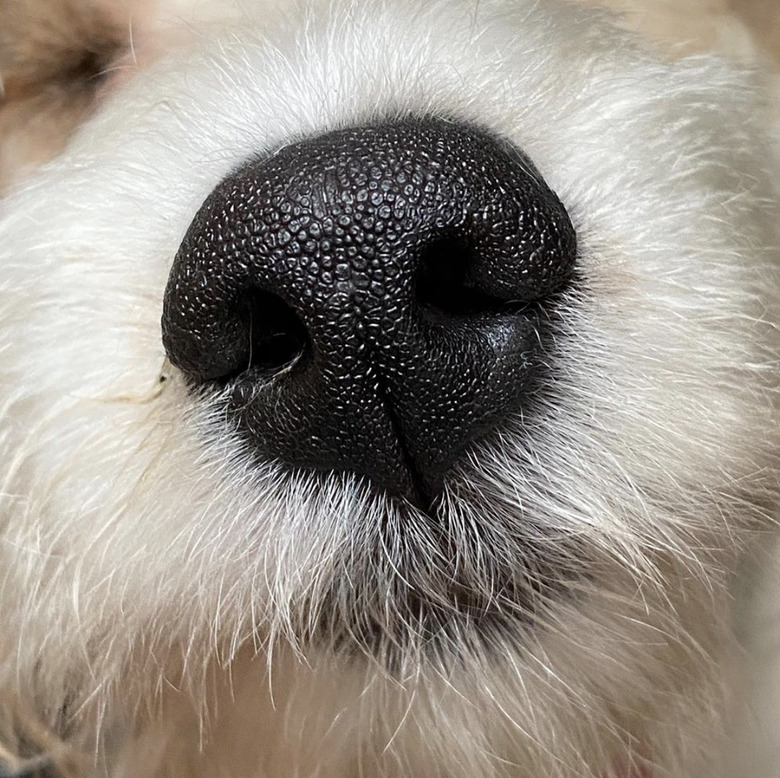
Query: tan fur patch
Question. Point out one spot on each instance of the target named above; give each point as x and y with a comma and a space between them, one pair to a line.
743, 30
55, 57
763, 17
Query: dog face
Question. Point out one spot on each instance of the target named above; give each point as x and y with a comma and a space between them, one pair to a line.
463, 398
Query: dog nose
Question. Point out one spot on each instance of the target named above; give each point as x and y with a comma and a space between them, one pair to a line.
373, 300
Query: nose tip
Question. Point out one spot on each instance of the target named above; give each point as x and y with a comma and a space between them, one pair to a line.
372, 300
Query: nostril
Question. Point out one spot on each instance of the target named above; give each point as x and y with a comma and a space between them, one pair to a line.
275, 336
446, 281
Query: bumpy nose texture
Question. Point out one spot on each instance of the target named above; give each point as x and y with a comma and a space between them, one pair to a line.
372, 300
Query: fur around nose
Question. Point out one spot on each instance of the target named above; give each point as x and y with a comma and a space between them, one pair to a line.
372, 300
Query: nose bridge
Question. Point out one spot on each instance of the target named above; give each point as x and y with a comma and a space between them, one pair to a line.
394, 273
353, 293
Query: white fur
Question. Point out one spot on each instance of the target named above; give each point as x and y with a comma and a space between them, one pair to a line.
146, 564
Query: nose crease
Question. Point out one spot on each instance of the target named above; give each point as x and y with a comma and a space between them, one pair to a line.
394, 276
419, 491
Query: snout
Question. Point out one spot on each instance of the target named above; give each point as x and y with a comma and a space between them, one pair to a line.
373, 300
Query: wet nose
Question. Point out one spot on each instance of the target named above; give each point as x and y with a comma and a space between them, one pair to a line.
373, 300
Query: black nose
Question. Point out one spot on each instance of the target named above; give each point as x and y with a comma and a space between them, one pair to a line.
372, 300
